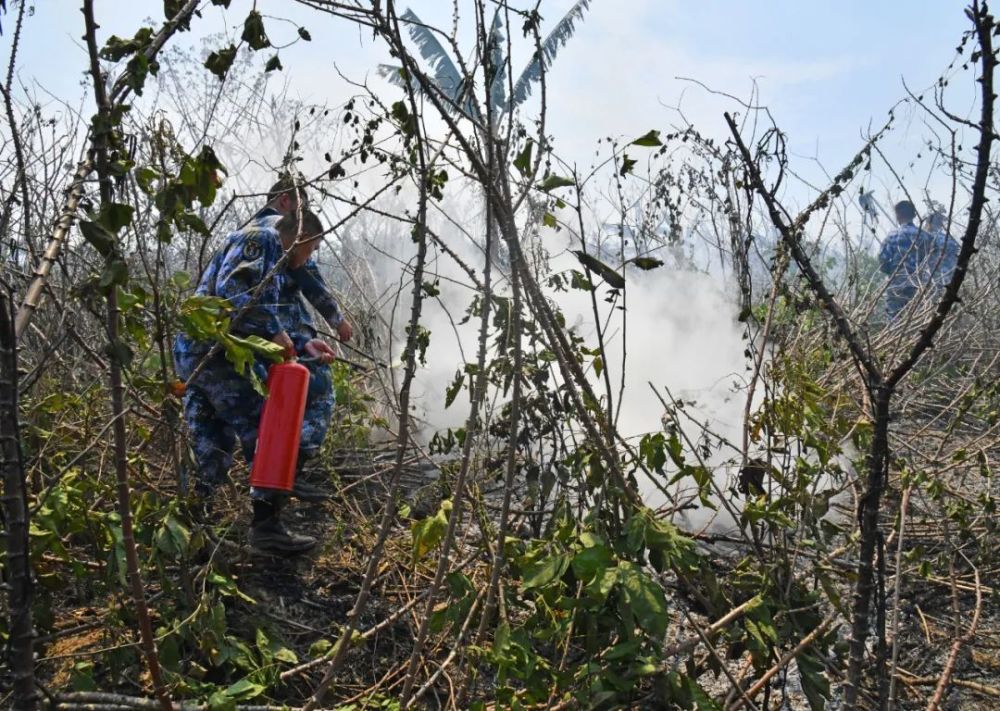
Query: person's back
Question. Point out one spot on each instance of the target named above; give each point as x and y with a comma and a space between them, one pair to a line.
235, 270
943, 252
903, 257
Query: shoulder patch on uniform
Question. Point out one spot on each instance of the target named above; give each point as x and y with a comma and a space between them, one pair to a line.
252, 249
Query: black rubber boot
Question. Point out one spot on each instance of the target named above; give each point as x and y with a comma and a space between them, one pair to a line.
267, 533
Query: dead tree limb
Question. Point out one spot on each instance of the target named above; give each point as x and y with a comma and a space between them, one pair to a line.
956, 647
119, 435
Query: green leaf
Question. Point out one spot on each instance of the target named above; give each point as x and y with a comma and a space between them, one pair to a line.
320, 647
428, 533
304, 34
219, 62
121, 352
218, 701
406, 121
454, 389
651, 449
645, 599
647, 263
145, 177
244, 689
613, 278
552, 182
544, 570
814, 684
549, 220
272, 64
579, 281
590, 562
523, 160
116, 272
99, 236
261, 346
115, 216
253, 31
648, 140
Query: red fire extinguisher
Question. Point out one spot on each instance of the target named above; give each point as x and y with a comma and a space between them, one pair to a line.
280, 428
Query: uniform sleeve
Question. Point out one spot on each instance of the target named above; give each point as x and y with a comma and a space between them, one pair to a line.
888, 254
317, 292
247, 260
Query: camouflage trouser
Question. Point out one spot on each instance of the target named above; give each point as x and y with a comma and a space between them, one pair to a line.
221, 407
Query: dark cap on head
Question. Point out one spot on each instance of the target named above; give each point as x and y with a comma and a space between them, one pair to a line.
311, 224
905, 211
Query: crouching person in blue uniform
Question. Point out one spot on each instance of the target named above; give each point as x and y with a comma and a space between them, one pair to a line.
220, 405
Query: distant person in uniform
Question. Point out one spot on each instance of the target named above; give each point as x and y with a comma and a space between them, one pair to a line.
944, 252
914, 259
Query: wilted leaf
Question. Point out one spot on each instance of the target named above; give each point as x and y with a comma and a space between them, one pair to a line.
273, 63
219, 62
253, 31
613, 278
627, 165
647, 263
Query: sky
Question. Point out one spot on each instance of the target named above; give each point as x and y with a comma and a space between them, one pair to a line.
827, 70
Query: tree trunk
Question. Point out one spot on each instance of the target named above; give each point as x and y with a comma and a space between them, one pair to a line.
15, 514
878, 465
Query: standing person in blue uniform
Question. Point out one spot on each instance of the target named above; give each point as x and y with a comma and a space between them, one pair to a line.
220, 405
285, 198
914, 260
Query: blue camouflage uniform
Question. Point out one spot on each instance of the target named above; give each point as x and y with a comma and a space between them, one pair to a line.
221, 406
915, 259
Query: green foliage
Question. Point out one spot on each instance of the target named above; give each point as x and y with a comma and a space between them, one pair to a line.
650, 139
428, 533
207, 318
